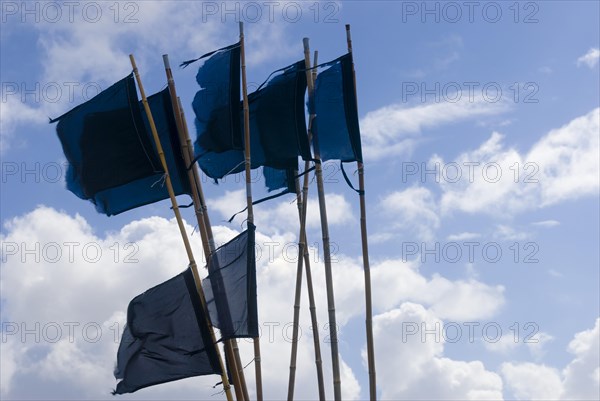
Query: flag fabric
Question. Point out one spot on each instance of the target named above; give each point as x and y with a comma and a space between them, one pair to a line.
278, 118
216, 104
277, 179
277, 125
230, 287
151, 189
166, 338
336, 122
113, 161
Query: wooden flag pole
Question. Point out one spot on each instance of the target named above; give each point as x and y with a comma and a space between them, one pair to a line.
335, 361
231, 346
257, 361
309, 282
199, 210
365, 252
304, 256
186, 242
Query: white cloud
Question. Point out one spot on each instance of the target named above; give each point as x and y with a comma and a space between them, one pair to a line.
464, 236
590, 58
417, 369
12, 113
568, 162
413, 207
537, 344
504, 345
529, 381
458, 300
562, 165
380, 237
547, 223
394, 130
582, 374
75, 288
50, 290
507, 233
283, 216
579, 380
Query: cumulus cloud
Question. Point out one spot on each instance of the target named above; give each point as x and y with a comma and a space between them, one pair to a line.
546, 223
418, 370
529, 381
590, 59
283, 216
562, 165
12, 113
465, 236
413, 207
72, 278
395, 130
579, 380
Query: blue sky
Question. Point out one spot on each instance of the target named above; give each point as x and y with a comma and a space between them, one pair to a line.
480, 129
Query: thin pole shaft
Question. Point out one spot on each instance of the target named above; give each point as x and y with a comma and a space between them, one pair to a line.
304, 256
365, 252
184, 236
231, 347
199, 212
297, 293
309, 282
186, 156
335, 361
257, 361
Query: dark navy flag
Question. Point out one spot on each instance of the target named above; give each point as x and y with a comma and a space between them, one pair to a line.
230, 287
112, 157
167, 337
277, 127
216, 104
277, 179
336, 121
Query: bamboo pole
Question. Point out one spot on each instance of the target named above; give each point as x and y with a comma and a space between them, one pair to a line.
199, 210
365, 252
335, 362
257, 361
186, 242
303, 255
233, 342
309, 282
297, 294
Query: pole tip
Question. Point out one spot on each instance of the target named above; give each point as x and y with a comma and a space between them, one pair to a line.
241, 24
166, 61
347, 27
305, 42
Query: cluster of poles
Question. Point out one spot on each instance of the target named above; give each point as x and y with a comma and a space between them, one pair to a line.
231, 347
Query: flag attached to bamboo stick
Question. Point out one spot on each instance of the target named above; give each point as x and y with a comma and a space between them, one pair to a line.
230, 287
113, 161
216, 104
336, 121
166, 338
277, 122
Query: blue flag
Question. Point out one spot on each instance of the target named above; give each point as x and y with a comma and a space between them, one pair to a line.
277, 121
216, 104
336, 122
230, 287
167, 337
113, 161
